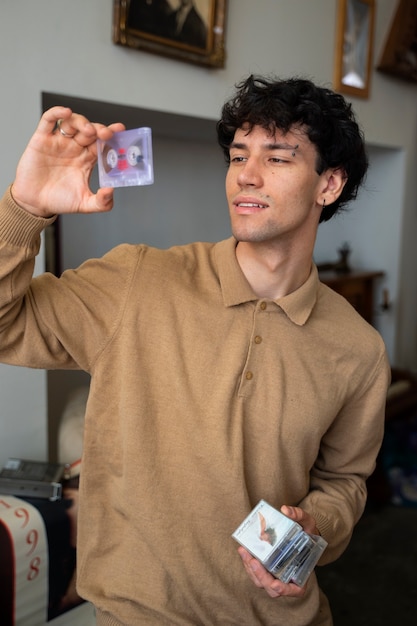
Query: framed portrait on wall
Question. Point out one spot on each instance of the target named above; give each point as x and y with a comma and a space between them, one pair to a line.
354, 47
187, 30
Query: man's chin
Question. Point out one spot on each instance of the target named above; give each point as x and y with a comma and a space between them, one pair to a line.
248, 236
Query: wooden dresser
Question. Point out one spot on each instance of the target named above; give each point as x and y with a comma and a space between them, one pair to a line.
356, 287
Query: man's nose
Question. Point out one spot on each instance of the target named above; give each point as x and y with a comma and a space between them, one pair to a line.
250, 174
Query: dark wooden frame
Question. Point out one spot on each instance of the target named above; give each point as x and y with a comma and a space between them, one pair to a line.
212, 54
399, 56
354, 46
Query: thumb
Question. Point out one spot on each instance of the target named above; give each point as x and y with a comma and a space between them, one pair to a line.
303, 518
102, 201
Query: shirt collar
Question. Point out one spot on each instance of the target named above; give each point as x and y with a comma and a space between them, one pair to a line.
236, 289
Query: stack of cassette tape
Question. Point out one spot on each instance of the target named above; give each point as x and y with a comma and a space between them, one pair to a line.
280, 544
126, 159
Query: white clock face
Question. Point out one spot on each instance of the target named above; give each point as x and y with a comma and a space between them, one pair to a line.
133, 155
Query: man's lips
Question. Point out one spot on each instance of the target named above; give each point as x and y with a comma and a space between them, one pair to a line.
246, 206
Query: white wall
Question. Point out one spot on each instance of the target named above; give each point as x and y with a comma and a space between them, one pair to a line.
183, 204
372, 228
62, 47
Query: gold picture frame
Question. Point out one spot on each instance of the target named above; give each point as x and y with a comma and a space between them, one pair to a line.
354, 47
196, 34
399, 56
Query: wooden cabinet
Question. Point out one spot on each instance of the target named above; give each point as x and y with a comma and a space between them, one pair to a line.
356, 287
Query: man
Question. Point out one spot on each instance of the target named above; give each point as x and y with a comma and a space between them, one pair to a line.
222, 374
150, 16
187, 26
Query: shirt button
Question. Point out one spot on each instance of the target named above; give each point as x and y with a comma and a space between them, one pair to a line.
263, 306
258, 339
249, 375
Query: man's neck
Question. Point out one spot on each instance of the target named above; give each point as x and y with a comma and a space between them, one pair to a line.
272, 275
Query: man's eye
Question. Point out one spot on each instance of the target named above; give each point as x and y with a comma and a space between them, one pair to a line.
237, 159
278, 160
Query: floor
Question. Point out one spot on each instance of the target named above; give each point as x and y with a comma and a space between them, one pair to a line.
374, 583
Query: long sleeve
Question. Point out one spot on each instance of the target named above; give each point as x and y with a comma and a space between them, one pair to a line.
50, 322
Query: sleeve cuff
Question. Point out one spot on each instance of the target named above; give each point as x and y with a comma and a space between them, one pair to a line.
17, 226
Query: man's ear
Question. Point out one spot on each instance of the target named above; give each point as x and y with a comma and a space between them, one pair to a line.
334, 181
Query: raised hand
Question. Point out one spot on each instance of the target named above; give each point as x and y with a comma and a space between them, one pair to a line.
53, 173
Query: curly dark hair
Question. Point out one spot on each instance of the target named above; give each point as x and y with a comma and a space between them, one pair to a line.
326, 117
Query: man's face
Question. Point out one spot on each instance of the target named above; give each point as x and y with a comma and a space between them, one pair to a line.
272, 186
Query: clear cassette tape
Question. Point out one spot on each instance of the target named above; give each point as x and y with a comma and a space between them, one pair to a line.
126, 159
280, 544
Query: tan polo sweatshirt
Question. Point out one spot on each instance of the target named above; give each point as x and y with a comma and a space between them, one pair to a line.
204, 399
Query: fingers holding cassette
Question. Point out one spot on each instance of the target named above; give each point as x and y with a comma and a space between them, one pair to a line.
53, 173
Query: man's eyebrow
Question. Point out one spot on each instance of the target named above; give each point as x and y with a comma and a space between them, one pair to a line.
268, 146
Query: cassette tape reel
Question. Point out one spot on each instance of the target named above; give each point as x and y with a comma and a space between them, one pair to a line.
134, 155
109, 158
126, 160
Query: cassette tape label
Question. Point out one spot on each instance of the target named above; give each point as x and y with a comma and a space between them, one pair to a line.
126, 159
